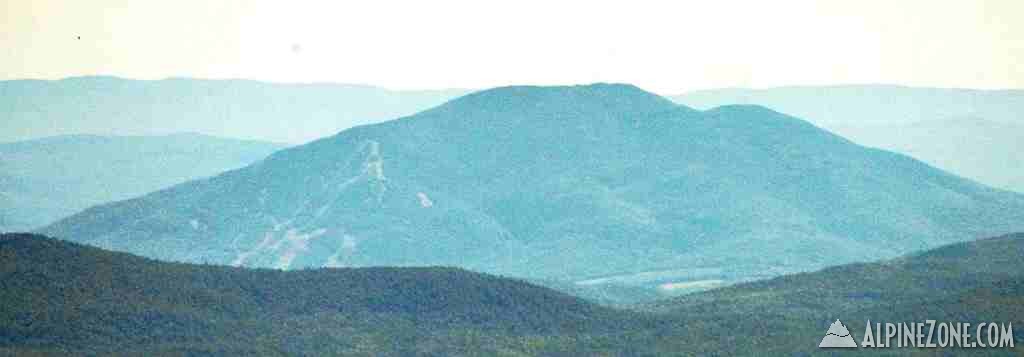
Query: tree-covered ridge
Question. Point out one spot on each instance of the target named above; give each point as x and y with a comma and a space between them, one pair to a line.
948, 269
80, 290
976, 281
61, 298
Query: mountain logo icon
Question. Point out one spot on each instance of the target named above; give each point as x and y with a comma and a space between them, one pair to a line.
837, 337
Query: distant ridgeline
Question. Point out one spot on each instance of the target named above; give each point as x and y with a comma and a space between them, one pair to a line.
598, 184
47, 179
978, 134
62, 298
278, 112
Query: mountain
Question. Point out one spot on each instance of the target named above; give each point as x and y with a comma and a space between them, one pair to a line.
973, 133
288, 113
47, 179
594, 184
62, 298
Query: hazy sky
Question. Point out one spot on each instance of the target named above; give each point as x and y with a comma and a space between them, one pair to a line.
666, 46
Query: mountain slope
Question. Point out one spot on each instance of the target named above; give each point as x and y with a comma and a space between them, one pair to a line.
47, 179
973, 133
570, 183
289, 113
61, 298
62, 295
977, 281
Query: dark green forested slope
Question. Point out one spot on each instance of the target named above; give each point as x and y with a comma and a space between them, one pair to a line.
65, 298
970, 282
58, 294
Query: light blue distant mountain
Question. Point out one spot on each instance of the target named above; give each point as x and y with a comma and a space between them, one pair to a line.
46, 179
977, 134
980, 149
290, 113
591, 184
870, 104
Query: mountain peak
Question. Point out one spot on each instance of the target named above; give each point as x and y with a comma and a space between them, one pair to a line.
743, 109
598, 87
751, 114
597, 98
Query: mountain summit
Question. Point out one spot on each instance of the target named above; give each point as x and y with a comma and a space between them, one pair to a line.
601, 181
601, 98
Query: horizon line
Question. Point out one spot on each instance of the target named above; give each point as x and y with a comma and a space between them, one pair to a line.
470, 90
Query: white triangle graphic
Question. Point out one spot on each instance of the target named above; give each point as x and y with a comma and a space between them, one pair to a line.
837, 337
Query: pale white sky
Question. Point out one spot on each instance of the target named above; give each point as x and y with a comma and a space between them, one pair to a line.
665, 46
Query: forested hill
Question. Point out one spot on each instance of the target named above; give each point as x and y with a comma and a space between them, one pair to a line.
66, 295
63, 298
